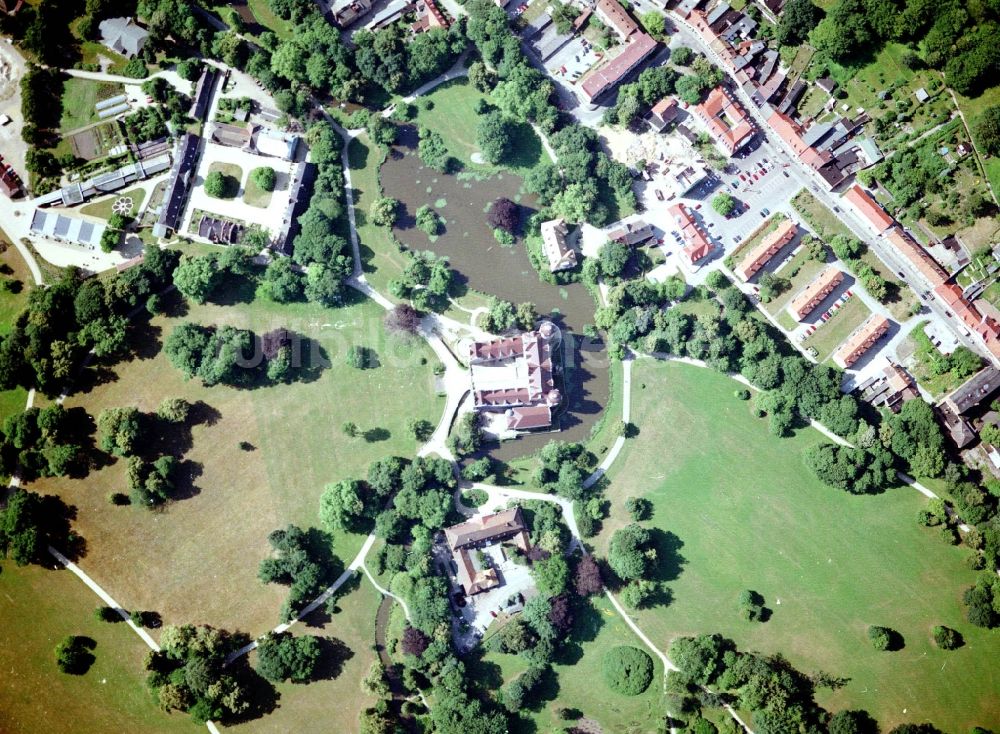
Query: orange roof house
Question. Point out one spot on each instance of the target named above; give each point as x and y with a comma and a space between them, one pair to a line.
869, 209
727, 122
479, 532
815, 292
613, 15
638, 47
861, 340
917, 256
696, 245
766, 249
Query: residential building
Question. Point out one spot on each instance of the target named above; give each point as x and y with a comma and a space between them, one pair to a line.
973, 392
680, 178
874, 215
615, 17
63, 228
726, 120
123, 36
558, 253
10, 184
300, 180
768, 247
663, 113
861, 340
818, 289
891, 389
513, 372
921, 260
697, 246
599, 81
203, 92
632, 233
479, 532
429, 16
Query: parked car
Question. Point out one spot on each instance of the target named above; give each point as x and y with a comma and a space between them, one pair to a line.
659, 194
766, 212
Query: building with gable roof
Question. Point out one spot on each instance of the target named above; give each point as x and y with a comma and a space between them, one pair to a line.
123, 36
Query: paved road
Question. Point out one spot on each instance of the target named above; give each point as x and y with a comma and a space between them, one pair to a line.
785, 154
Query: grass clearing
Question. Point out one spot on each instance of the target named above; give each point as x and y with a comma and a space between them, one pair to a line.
453, 115
748, 514
232, 176
924, 355
105, 207
577, 681
78, 100
828, 336
39, 607
307, 708
266, 17
254, 195
196, 559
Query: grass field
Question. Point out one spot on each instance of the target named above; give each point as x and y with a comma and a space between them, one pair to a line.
972, 108
196, 559
578, 683
453, 115
331, 704
748, 514
232, 176
11, 304
828, 336
382, 259
79, 98
103, 209
262, 12
38, 608
254, 195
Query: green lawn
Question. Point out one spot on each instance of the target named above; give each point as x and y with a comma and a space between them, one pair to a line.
232, 175
196, 560
382, 259
746, 513
262, 12
103, 208
79, 98
254, 195
453, 115
38, 608
309, 708
828, 336
972, 108
578, 682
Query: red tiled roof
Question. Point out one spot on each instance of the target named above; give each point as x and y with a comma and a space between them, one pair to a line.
766, 249
537, 416
697, 245
639, 46
813, 294
869, 208
917, 256
614, 15
859, 342
726, 120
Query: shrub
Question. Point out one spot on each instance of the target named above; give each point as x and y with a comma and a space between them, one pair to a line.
264, 177
946, 638
384, 211
107, 614
627, 670
881, 637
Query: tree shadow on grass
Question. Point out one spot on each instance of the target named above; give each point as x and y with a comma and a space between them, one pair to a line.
333, 654
174, 305
184, 480
587, 624
261, 694
234, 291
669, 561
56, 530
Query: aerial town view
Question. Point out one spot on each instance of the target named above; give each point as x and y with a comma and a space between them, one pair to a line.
484, 366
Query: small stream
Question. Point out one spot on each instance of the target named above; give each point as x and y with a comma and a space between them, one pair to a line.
482, 264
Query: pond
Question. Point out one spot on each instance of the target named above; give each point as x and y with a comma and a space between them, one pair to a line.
482, 264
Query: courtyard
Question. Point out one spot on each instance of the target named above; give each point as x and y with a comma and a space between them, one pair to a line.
245, 204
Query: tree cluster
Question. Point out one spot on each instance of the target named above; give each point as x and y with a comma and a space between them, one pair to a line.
426, 281
62, 322
188, 674
42, 443
303, 561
